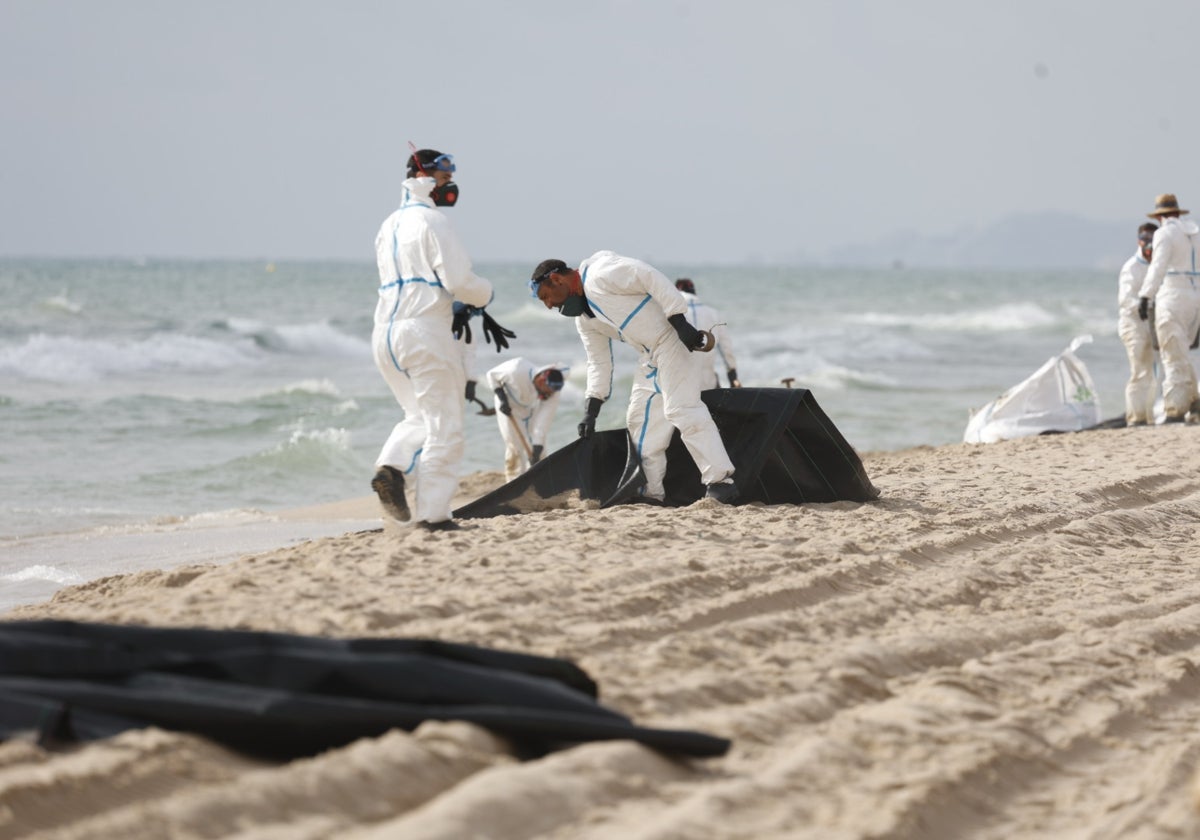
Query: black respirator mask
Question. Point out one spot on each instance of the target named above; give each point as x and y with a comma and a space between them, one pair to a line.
446, 195
574, 306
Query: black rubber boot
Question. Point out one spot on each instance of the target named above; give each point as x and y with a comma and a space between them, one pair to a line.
388, 484
726, 494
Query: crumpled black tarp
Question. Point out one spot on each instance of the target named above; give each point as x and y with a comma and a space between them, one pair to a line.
286, 696
784, 448
1117, 422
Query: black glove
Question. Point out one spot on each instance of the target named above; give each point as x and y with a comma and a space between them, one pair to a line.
733, 379
493, 333
1144, 308
461, 326
502, 398
588, 427
537, 454
689, 335
470, 390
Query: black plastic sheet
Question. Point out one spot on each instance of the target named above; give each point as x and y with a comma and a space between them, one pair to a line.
784, 448
286, 696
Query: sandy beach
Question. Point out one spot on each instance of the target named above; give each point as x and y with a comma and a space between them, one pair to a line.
1005, 645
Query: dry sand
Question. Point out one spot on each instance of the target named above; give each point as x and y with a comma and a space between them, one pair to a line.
1004, 645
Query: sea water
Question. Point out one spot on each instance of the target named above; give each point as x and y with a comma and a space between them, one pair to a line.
137, 394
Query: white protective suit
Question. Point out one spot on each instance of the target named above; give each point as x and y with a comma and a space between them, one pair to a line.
423, 269
648, 426
530, 413
631, 301
1173, 283
1136, 336
703, 317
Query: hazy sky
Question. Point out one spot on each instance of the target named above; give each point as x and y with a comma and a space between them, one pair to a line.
669, 130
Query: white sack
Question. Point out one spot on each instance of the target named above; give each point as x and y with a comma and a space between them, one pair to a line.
1059, 397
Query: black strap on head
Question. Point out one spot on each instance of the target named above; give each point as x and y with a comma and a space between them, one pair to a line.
419, 159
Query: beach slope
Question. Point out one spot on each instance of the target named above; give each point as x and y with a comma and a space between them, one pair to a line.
1005, 645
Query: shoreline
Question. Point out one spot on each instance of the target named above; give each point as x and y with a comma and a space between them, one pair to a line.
35, 567
1005, 644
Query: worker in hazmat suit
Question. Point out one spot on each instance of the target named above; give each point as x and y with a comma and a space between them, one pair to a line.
1172, 284
1136, 334
703, 317
615, 297
649, 428
526, 399
423, 269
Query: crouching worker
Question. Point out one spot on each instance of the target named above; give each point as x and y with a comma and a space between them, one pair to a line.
614, 297
526, 400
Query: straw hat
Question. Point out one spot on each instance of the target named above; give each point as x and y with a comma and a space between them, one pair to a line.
1166, 203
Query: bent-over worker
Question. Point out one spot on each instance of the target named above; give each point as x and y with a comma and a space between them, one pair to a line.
615, 297
526, 399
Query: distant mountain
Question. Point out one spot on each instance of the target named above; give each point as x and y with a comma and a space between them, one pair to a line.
1028, 240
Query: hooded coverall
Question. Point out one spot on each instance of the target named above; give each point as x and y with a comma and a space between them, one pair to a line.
423, 269
1173, 283
531, 414
631, 302
704, 317
1136, 336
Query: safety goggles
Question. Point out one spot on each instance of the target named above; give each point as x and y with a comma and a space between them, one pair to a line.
537, 281
441, 163
543, 380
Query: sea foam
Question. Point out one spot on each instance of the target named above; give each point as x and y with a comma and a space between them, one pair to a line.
1006, 318
69, 359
